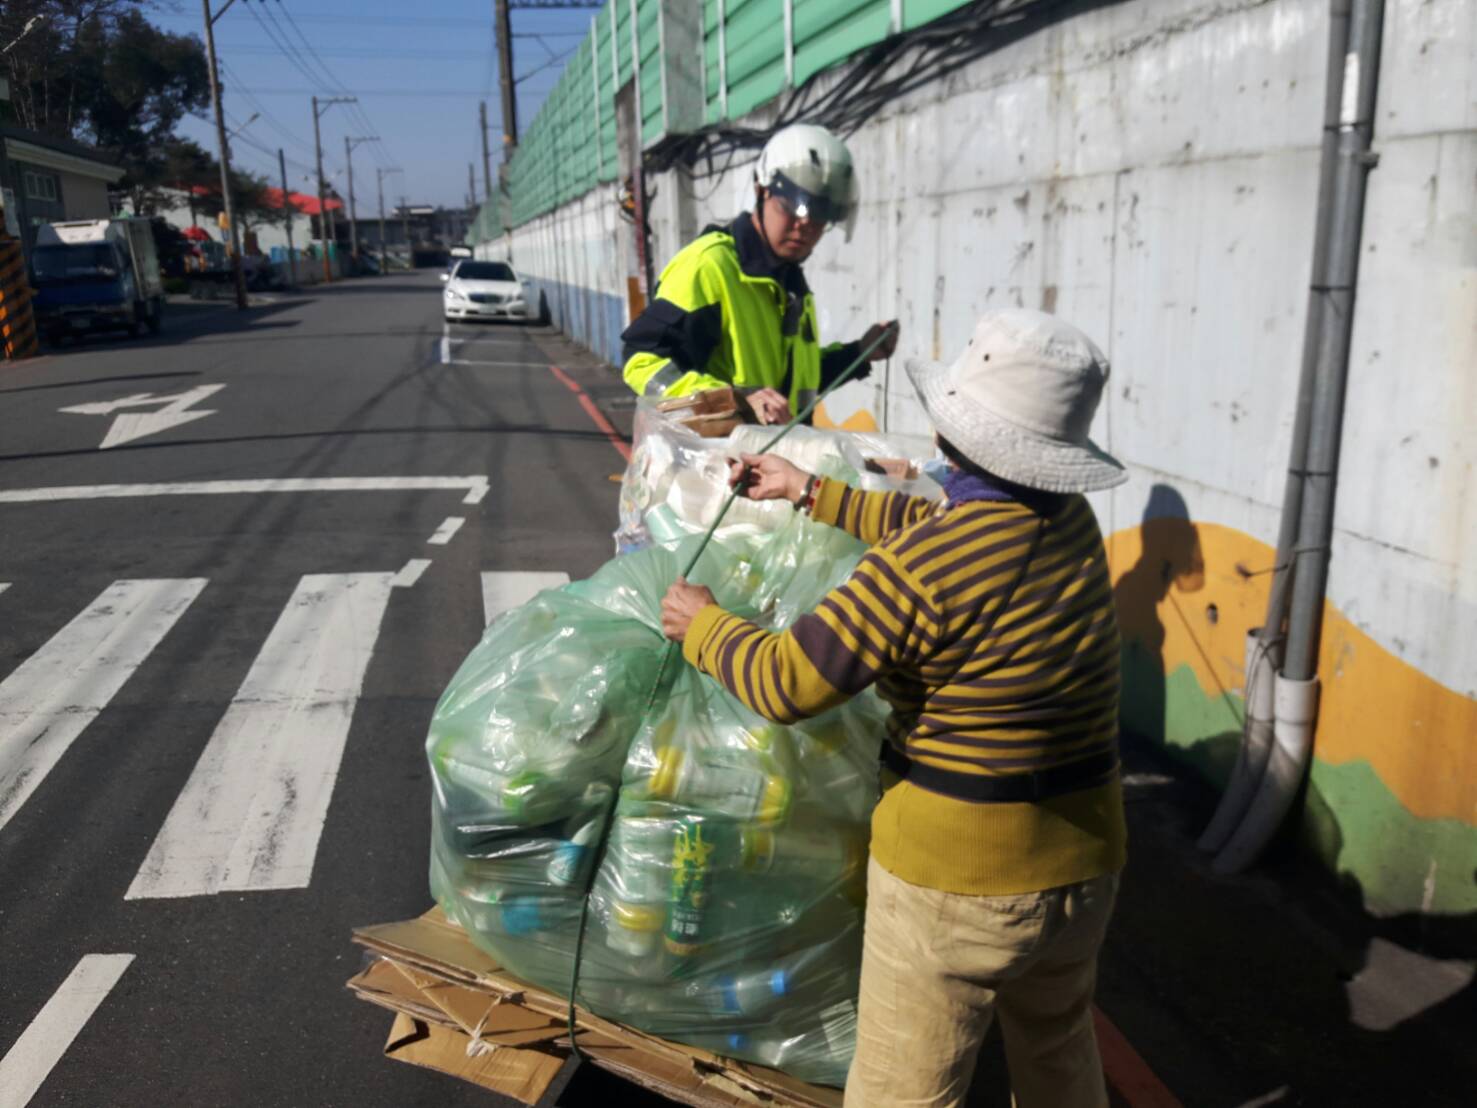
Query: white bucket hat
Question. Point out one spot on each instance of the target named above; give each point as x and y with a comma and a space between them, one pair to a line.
1019, 402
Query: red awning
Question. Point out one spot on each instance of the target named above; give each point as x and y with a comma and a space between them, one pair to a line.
196, 234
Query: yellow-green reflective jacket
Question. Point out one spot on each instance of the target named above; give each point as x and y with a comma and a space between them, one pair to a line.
727, 312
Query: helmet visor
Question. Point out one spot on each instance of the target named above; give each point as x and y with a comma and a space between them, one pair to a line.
822, 207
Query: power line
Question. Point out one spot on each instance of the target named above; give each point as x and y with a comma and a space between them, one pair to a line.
267, 117
377, 148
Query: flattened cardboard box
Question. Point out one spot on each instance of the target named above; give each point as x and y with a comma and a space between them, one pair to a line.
459, 1012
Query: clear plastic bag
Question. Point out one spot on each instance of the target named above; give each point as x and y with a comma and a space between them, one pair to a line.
677, 481
727, 909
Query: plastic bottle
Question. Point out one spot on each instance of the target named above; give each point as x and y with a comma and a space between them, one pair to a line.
528, 914
637, 863
689, 923
822, 851
722, 783
745, 993
573, 854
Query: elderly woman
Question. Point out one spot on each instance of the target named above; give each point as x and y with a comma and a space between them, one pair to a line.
986, 623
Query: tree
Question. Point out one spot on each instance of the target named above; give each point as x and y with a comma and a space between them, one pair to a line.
98, 71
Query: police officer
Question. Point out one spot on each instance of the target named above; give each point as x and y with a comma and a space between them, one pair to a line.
733, 307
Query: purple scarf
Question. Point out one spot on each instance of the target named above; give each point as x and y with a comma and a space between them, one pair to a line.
961, 488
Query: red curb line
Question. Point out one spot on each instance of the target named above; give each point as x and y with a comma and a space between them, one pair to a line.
594, 413
1126, 1070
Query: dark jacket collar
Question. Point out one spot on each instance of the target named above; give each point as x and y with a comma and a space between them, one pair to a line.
756, 259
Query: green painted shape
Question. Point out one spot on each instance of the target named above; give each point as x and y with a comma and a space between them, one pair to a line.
1350, 820
1401, 862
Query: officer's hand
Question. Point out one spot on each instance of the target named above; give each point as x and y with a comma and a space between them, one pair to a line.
769, 477
887, 347
682, 602
770, 405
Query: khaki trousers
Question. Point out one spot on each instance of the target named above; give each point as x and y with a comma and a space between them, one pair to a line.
937, 967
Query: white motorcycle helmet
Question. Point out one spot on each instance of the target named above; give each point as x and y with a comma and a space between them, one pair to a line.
810, 171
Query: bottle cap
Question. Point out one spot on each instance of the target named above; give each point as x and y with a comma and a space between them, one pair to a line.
779, 982
663, 784
756, 848
775, 801
637, 917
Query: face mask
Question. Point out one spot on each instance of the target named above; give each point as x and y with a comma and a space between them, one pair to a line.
937, 468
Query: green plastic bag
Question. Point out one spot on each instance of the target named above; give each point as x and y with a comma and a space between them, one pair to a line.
727, 909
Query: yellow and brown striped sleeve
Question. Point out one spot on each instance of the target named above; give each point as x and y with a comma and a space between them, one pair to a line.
879, 619
870, 516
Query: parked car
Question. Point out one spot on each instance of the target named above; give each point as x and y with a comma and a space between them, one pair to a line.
484, 290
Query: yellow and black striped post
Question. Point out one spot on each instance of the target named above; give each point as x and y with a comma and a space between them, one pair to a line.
17, 321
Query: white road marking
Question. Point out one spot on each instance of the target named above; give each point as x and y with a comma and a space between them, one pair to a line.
29, 1062
449, 527
135, 425
476, 485
52, 697
410, 573
504, 591
4, 585
251, 814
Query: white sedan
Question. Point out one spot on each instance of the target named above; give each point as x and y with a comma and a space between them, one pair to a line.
484, 290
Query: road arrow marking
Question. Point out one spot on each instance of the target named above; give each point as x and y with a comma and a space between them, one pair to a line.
136, 425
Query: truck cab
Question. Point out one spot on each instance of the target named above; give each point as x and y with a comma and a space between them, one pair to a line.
95, 275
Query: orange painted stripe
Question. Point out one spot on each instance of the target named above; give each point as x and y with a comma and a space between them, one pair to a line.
594, 413
1126, 1070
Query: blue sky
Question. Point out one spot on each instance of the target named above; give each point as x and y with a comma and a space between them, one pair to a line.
418, 70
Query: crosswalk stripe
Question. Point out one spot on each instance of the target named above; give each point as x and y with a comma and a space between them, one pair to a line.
52, 696
252, 812
29, 1062
504, 591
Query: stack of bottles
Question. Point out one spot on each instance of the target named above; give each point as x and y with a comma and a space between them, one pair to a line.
727, 908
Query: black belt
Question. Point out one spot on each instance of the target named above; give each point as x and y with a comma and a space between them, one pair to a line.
1010, 788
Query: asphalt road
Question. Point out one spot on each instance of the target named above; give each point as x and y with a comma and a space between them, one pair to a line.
262, 539
176, 894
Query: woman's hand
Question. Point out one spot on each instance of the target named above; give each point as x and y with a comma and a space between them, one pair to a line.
767, 477
682, 602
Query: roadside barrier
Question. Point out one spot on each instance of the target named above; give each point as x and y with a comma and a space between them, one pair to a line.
17, 321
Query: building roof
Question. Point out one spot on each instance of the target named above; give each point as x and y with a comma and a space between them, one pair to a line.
62, 154
304, 203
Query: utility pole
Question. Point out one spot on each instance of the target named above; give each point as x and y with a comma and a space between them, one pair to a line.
471, 186
405, 225
486, 156
327, 102
287, 210
379, 179
225, 153
349, 144
505, 83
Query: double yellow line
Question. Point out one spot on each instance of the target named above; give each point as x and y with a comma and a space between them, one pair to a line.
17, 321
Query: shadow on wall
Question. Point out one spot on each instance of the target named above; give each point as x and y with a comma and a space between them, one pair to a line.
1171, 567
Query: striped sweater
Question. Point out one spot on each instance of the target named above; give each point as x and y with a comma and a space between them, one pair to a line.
989, 629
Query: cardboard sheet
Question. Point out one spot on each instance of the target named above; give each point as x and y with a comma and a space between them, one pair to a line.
459, 1012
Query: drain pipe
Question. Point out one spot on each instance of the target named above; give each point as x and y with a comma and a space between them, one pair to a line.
1264, 644
1296, 691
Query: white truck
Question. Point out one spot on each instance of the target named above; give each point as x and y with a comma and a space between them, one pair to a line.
94, 275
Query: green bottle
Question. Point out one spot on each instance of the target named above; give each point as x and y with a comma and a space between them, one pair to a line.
690, 895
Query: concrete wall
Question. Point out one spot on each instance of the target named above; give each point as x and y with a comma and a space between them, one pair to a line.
1149, 171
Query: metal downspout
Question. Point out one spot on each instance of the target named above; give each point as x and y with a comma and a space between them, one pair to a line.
1297, 684
1264, 644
